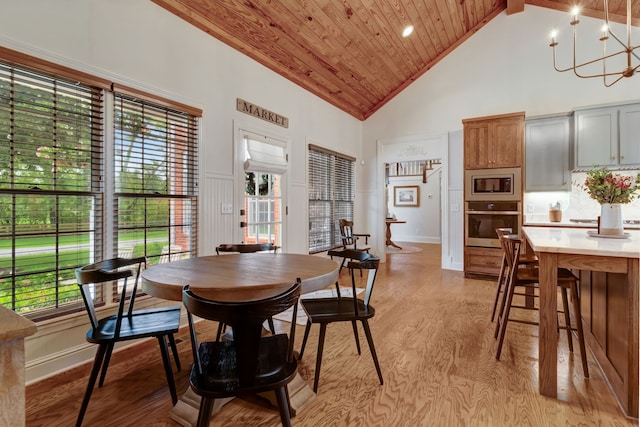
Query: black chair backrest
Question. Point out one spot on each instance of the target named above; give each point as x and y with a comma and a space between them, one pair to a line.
245, 319
108, 271
363, 261
245, 248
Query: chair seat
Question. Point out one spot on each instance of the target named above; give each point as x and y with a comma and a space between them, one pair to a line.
220, 375
528, 259
327, 310
532, 275
142, 324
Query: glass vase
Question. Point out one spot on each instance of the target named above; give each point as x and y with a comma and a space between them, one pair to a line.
611, 219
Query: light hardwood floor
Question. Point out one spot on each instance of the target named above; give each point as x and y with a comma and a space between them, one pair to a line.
435, 343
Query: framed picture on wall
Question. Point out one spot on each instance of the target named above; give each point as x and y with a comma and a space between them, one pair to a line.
406, 195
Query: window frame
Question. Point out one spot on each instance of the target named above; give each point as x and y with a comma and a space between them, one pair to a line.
331, 189
102, 189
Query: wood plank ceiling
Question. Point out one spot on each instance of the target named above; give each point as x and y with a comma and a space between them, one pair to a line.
351, 53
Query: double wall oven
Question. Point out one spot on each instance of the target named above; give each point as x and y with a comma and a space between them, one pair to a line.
493, 199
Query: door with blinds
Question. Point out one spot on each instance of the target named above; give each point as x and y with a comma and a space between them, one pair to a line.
263, 208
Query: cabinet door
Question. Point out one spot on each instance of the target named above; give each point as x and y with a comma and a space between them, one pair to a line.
630, 135
597, 137
547, 144
476, 145
506, 142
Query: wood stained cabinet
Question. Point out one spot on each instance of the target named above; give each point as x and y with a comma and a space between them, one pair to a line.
609, 305
482, 263
494, 141
491, 142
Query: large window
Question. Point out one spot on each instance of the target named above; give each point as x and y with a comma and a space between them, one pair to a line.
50, 189
155, 180
331, 196
60, 209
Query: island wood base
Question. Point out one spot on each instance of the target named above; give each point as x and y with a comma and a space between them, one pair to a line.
609, 282
609, 304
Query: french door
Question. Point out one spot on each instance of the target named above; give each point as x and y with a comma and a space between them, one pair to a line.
263, 195
263, 214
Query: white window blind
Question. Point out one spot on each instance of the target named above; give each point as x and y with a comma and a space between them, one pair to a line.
331, 196
155, 174
265, 155
50, 189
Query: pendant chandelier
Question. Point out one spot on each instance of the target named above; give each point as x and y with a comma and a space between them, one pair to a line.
628, 52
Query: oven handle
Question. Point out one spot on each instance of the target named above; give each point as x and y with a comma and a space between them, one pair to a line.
494, 212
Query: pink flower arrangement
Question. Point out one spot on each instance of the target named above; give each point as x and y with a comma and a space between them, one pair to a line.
605, 186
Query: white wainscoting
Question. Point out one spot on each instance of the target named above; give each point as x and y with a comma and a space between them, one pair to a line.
215, 227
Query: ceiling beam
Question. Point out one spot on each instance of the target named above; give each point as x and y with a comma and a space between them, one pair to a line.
515, 6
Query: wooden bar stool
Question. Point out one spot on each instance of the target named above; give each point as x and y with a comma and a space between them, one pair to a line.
524, 259
529, 277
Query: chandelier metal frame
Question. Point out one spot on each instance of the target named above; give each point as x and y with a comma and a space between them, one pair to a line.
627, 49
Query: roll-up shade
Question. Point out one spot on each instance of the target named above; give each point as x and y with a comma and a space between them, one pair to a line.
267, 155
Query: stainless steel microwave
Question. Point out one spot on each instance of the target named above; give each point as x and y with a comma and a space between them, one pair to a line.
500, 184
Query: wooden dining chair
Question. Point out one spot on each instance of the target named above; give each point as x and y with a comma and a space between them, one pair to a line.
528, 276
127, 324
349, 242
524, 259
350, 239
248, 364
245, 248
344, 309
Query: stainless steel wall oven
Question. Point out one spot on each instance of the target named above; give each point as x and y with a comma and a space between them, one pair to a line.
483, 217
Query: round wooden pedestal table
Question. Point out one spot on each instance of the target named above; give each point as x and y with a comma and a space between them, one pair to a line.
239, 277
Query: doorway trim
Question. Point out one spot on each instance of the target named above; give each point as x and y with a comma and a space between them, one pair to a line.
240, 128
414, 147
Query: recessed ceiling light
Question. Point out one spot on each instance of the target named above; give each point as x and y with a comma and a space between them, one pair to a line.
407, 30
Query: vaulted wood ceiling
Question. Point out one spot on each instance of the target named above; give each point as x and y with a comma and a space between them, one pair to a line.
351, 52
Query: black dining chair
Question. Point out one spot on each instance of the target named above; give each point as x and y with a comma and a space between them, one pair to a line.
127, 324
248, 364
245, 248
344, 309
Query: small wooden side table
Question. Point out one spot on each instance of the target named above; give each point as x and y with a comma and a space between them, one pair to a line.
389, 222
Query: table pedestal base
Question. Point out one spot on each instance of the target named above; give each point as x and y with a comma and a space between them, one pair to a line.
185, 412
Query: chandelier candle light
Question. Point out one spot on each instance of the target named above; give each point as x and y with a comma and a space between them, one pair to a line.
628, 50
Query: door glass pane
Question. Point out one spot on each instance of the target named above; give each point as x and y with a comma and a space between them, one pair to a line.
263, 208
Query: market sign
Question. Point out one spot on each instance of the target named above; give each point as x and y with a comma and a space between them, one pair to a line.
261, 113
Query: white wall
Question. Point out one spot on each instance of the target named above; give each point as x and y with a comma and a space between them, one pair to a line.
139, 44
505, 67
423, 221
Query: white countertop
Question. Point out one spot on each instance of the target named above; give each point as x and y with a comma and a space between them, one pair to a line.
567, 223
577, 241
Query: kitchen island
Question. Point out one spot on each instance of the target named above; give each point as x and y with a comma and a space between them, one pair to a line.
609, 279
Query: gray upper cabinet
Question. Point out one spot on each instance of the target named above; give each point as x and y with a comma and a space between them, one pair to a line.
548, 146
608, 136
630, 135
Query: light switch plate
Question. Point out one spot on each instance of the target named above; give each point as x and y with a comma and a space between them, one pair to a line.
226, 208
